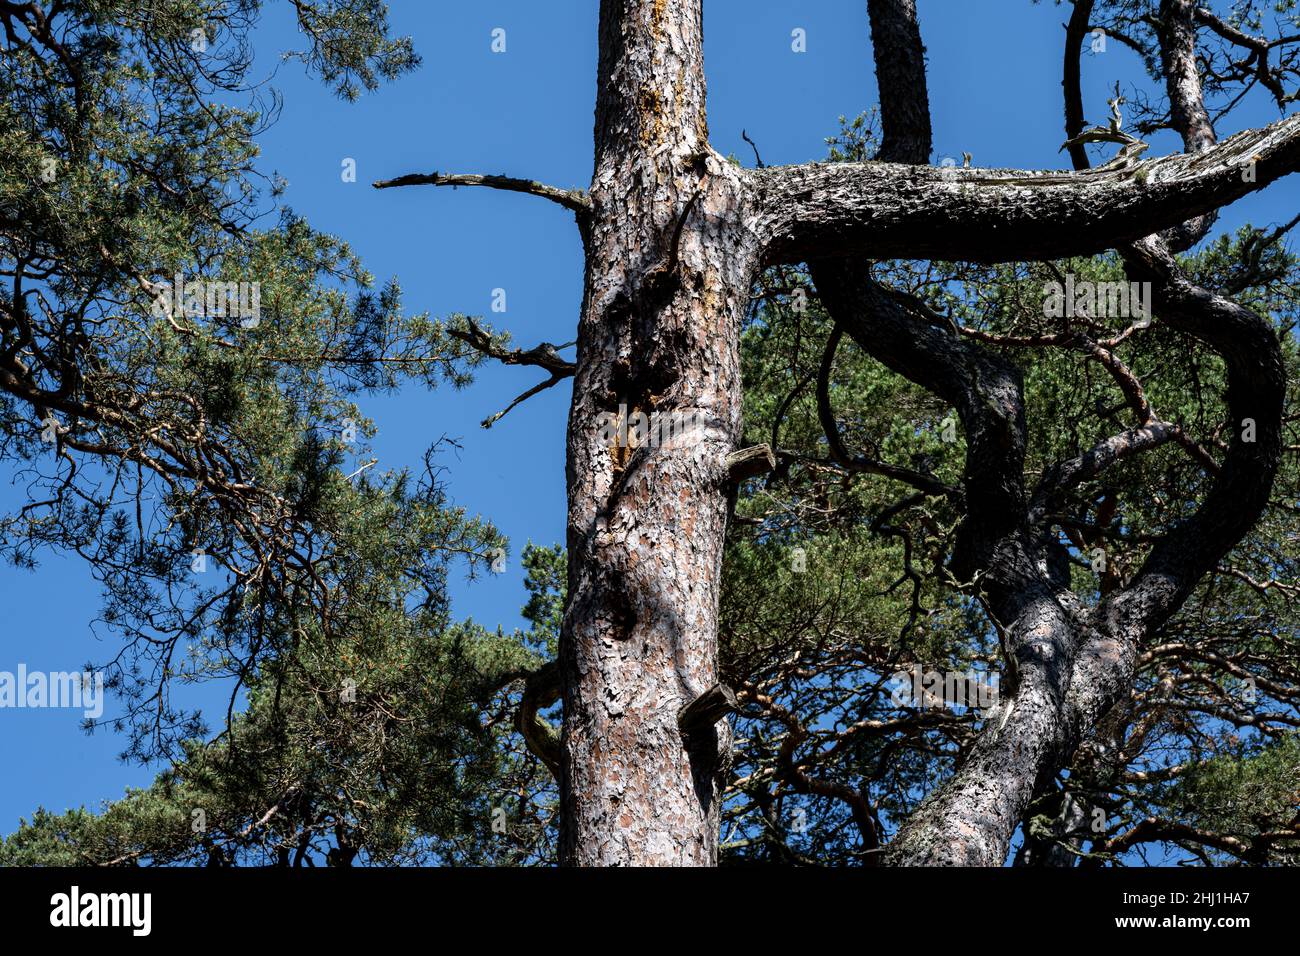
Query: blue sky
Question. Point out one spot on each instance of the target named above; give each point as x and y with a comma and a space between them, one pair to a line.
994, 79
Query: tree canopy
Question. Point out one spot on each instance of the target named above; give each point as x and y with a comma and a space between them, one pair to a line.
1089, 515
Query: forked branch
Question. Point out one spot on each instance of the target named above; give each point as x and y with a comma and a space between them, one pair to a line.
545, 355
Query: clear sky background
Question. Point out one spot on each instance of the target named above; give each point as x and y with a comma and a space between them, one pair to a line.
995, 90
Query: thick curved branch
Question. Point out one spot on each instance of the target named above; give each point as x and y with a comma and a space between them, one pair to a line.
884, 210
1256, 393
1065, 668
1106, 662
1255, 397
973, 817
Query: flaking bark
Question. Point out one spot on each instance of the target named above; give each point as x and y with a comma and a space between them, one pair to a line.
669, 267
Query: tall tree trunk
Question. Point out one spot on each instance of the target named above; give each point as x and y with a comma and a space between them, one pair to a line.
669, 268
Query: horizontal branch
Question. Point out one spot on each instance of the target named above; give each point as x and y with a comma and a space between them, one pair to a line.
886, 210
574, 199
